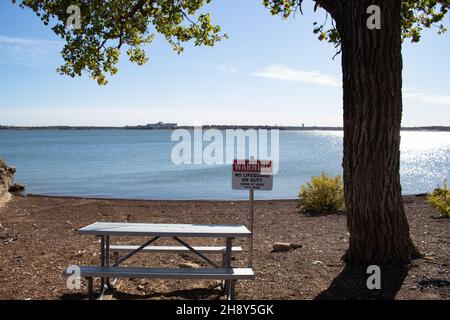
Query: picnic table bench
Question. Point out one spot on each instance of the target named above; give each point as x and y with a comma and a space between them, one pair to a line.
225, 272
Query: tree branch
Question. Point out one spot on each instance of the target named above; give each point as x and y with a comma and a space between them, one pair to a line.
187, 17
333, 7
138, 6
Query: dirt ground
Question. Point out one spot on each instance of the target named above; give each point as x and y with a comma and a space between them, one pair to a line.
38, 240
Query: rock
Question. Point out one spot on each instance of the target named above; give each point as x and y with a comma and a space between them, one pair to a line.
284, 246
79, 253
189, 265
17, 188
281, 246
6, 181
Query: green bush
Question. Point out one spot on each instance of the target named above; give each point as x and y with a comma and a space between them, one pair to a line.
440, 199
324, 194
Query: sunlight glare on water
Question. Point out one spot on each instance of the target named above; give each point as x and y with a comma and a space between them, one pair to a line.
425, 159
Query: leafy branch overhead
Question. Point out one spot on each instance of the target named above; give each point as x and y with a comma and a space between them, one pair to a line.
107, 26
416, 14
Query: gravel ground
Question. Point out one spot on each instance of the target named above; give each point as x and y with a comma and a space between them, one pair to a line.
38, 239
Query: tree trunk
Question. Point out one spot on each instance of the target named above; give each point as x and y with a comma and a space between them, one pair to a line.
372, 83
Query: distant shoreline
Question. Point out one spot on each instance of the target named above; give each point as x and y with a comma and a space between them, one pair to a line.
75, 197
205, 127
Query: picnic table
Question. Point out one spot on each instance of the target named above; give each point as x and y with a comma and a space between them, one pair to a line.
107, 271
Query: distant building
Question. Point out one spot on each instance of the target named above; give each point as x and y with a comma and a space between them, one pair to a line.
161, 125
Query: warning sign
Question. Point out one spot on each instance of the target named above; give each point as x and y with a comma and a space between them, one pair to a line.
252, 174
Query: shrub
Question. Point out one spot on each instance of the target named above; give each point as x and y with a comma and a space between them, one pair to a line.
324, 194
440, 199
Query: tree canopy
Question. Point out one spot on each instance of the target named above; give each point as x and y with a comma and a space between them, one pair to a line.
108, 26
415, 15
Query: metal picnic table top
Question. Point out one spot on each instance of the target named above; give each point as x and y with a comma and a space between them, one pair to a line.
164, 230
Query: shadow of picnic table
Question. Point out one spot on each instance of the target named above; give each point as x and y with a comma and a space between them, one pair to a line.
188, 294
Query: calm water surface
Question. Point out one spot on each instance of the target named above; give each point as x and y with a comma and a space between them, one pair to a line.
137, 164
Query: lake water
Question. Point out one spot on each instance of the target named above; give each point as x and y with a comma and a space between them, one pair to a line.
137, 164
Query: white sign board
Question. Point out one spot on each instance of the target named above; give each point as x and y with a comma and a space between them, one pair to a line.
252, 174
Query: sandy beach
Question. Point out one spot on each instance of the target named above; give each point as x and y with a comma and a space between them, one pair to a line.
38, 239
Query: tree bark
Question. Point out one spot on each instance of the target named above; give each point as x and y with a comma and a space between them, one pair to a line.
372, 83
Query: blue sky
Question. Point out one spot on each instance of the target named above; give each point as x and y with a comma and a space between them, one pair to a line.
269, 71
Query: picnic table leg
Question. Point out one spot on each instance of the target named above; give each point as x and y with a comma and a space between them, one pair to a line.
102, 259
90, 288
102, 263
109, 284
232, 291
228, 283
222, 284
116, 256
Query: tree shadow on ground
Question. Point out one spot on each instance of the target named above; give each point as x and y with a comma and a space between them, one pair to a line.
351, 284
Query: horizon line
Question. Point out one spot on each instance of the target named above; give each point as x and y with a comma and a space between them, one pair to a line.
173, 126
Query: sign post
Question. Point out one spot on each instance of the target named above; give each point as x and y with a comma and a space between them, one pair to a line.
252, 175
251, 198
